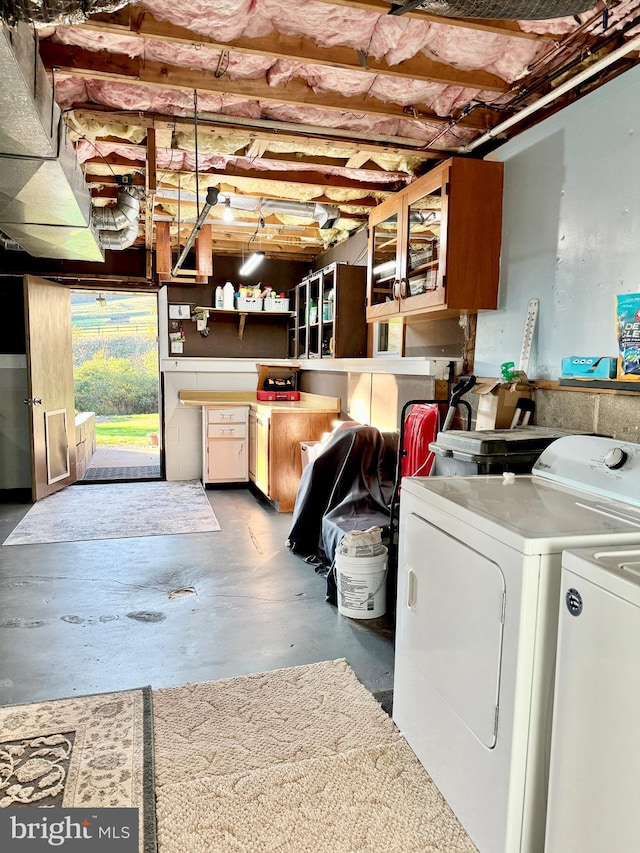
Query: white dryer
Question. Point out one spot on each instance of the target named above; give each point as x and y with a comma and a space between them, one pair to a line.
595, 745
478, 590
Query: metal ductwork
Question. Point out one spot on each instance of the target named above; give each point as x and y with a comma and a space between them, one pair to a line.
45, 205
56, 11
118, 223
324, 214
518, 10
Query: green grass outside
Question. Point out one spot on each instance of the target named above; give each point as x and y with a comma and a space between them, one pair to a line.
127, 429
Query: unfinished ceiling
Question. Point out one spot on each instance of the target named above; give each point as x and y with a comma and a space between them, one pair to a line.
305, 115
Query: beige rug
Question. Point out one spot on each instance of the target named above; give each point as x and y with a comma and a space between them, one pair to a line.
296, 760
117, 511
89, 751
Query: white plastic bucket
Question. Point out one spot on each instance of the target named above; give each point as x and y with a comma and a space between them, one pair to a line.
361, 584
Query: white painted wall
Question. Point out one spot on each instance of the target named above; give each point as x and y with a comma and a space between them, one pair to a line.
571, 234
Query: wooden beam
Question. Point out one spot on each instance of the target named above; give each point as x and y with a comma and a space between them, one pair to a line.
111, 192
158, 75
163, 250
121, 162
142, 24
204, 256
151, 184
315, 135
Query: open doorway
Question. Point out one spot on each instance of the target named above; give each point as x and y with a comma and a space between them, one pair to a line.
116, 385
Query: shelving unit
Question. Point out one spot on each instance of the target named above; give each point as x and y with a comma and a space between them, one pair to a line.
267, 316
329, 316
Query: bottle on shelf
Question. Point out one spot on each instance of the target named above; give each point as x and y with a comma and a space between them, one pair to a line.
313, 312
219, 298
228, 294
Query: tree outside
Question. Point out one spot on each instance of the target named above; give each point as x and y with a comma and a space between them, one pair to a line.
116, 364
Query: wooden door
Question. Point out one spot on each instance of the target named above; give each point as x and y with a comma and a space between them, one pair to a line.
50, 383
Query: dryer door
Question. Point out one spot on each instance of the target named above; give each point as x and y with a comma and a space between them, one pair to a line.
453, 629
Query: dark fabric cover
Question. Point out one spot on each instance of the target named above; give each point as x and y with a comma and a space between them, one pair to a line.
347, 487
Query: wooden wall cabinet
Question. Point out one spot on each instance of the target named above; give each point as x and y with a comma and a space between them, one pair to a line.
329, 314
434, 247
225, 444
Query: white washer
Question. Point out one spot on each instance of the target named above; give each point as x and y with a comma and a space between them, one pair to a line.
478, 589
595, 745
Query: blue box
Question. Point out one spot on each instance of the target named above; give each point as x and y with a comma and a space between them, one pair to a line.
589, 367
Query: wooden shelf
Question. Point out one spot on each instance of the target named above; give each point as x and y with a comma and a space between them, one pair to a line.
590, 386
242, 315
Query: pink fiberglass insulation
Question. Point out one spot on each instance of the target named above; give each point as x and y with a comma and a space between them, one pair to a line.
393, 38
86, 150
236, 66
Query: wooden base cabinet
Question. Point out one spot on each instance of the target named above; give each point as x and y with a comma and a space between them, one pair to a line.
225, 444
276, 460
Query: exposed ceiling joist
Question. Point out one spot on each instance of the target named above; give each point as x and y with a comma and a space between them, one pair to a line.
141, 24
225, 127
158, 75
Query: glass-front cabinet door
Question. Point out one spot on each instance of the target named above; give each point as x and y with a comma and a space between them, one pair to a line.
422, 284
385, 259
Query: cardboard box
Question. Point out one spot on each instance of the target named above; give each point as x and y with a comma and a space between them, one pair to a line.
277, 382
589, 367
497, 402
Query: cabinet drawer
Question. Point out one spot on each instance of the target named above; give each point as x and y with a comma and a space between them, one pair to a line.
227, 416
226, 430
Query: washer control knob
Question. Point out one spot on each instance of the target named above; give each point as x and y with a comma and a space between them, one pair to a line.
615, 458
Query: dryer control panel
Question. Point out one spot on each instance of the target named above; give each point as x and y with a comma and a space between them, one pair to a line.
605, 467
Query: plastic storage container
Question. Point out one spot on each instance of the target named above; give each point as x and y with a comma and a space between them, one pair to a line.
458, 453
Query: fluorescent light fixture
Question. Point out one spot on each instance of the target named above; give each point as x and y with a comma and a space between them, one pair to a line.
252, 263
227, 213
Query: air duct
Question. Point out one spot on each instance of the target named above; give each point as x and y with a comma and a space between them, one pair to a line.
517, 10
45, 205
56, 11
117, 224
324, 214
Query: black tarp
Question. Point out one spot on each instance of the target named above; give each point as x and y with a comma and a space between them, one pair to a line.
349, 486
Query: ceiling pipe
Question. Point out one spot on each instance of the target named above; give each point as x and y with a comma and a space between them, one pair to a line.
567, 86
212, 198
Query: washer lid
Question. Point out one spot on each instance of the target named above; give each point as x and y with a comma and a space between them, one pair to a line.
614, 569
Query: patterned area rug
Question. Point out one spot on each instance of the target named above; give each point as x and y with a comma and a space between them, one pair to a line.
117, 511
81, 752
296, 760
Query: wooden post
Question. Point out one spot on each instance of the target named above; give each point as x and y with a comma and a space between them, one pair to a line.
204, 255
163, 251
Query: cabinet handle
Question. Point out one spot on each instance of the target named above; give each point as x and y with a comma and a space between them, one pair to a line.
396, 289
403, 288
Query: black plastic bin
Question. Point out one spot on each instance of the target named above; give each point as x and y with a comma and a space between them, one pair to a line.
458, 453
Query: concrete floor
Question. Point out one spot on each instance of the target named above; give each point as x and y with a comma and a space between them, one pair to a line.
87, 617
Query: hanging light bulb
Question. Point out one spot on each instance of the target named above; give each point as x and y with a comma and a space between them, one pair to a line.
227, 213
